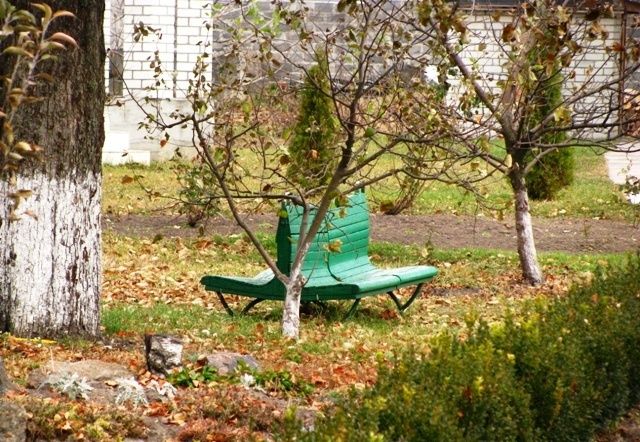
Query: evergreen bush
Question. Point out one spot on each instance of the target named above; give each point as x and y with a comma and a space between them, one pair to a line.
312, 150
557, 371
552, 173
555, 170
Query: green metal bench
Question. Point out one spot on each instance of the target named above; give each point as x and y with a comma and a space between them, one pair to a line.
337, 266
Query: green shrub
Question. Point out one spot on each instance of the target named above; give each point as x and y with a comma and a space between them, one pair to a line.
556, 169
556, 371
454, 394
312, 150
551, 174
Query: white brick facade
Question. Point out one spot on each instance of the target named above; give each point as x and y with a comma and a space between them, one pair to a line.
181, 24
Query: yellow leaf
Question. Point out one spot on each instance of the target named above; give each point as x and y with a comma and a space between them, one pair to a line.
47, 46
334, 246
61, 37
24, 193
46, 10
63, 14
508, 161
562, 114
15, 50
23, 146
15, 156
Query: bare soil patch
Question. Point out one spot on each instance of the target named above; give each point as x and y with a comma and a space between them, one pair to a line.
440, 230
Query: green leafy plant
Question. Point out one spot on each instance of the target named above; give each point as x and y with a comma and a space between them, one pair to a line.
312, 149
282, 381
71, 385
193, 376
197, 195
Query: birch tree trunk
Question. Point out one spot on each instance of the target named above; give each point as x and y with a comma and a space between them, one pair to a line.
50, 259
524, 230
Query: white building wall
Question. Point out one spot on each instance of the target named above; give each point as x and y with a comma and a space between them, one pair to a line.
491, 59
181, 24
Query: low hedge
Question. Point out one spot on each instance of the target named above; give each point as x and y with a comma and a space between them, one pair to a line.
556, 371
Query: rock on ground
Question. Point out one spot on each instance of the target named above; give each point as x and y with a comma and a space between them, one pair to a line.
89, 369
227, 362
108, 381
5, 382
163, 353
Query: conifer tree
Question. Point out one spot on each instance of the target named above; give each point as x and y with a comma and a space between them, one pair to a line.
312, 149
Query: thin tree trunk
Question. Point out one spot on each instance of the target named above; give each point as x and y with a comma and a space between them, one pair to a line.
51, 265
291, 312
524, 231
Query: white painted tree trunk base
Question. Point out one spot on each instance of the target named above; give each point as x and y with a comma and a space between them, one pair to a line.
291, 311
524, 233
50, 279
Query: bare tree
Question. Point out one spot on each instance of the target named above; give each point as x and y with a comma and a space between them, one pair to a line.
507, 60
260, 59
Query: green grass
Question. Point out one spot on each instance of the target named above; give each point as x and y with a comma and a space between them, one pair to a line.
122, 196
591, 196
160, 318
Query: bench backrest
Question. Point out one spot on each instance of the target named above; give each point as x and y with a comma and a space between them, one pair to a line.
341, 245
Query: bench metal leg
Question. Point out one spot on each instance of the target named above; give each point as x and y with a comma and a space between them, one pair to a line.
323, 305
244, 310
352, 310
251, 305
402, 307
224, 303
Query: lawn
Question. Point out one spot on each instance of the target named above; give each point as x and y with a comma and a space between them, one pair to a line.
592, 195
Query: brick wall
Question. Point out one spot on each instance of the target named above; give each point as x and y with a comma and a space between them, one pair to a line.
180, 26
180, 23
485, 50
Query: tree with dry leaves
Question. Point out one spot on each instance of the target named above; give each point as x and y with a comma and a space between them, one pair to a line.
535, 46
241, 119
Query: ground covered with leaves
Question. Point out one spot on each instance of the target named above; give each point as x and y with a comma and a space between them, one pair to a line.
153, 262
151, 286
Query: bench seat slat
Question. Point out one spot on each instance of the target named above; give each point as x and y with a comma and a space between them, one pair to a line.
374, 281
